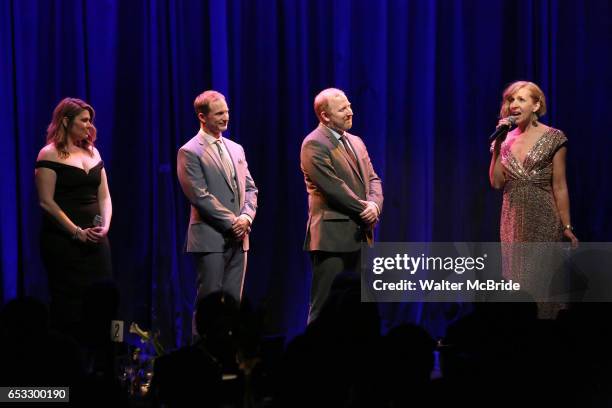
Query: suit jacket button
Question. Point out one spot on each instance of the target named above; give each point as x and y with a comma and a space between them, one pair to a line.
232, 200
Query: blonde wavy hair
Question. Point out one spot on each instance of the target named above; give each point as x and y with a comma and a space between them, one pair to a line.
534, 91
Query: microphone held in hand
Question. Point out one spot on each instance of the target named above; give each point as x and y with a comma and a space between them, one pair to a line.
503, 129
97, 221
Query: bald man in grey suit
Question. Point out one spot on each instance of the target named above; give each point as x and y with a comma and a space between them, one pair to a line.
345, 196
215, 178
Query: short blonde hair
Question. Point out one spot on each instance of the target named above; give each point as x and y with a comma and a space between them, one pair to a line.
202, 102
321, 101
534, 91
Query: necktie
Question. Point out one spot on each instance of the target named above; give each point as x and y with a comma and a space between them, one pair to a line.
350, 152
227, 164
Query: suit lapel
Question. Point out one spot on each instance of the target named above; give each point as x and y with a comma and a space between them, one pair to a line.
208, 148
234, 155
336, 143
357, 170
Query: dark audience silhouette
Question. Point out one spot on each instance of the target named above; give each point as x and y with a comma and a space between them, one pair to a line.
499, 355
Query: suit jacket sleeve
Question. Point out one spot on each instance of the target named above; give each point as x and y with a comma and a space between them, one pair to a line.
375, 191
194, 186
250, 197
317, 165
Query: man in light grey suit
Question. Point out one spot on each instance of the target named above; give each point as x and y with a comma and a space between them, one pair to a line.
345, 196
214, 176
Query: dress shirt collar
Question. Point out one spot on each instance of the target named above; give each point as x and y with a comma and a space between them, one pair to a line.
335, 133
210, 139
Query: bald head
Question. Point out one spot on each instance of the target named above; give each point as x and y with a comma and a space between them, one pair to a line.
333, 109
321, 101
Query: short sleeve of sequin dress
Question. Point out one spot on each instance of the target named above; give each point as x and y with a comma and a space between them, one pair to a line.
72, 266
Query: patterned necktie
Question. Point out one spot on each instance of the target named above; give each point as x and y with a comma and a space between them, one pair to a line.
350, 152
227, 164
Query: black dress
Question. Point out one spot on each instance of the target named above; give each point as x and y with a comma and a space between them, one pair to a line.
73, 266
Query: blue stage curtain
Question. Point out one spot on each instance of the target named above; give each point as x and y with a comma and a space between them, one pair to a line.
424, 77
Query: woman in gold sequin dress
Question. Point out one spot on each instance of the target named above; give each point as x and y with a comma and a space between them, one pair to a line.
529, 164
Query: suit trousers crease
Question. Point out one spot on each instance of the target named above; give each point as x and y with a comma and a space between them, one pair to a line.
221, 271
326, 266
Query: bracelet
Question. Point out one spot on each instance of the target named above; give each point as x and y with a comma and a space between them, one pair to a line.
76, 232
569, 227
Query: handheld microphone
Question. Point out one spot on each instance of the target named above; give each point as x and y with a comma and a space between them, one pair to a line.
503, 129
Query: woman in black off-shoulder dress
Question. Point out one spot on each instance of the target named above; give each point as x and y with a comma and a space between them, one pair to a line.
73, 192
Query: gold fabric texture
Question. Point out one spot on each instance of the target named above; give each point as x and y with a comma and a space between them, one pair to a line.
529, 214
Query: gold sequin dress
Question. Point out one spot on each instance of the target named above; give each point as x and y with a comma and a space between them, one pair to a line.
529, 212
